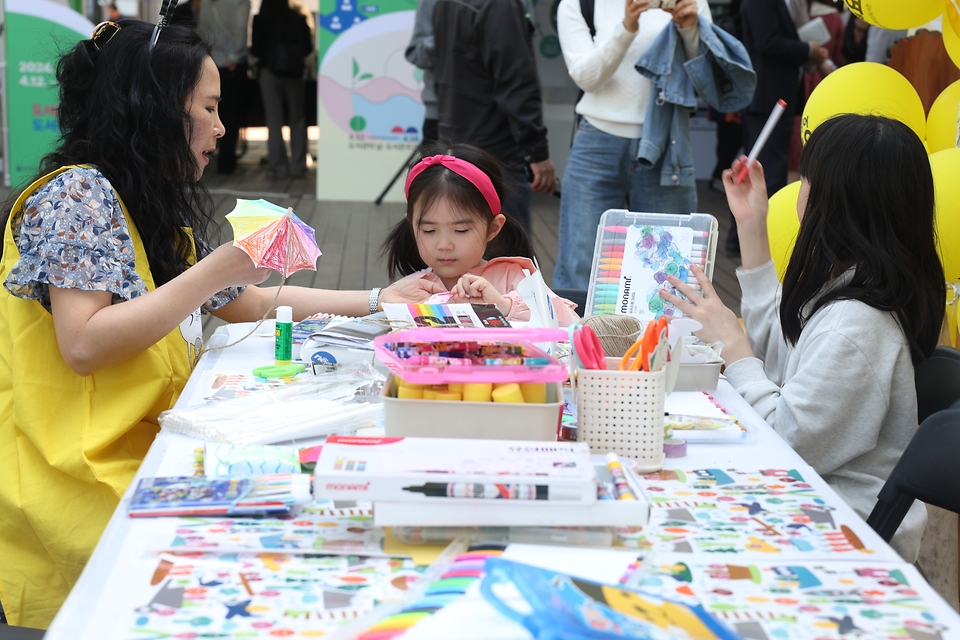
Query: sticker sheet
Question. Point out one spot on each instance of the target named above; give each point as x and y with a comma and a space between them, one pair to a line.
258, 595
771, 600
769, 512
313, 529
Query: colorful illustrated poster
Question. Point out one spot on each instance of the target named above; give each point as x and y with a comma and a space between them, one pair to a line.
257, 595
370, 112
772, 600
313, 529
651, 253
36, 31
783, 513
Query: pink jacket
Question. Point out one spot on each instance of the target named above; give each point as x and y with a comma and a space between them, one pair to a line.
504, 274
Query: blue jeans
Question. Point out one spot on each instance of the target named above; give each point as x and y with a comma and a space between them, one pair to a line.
602, 173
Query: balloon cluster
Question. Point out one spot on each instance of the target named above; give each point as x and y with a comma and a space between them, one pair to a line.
871, 88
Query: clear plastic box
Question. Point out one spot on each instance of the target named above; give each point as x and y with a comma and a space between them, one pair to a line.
635, 252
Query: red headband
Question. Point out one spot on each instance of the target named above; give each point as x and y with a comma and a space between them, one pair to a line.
464, 169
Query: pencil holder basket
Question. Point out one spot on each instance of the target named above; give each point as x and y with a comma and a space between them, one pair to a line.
622, 411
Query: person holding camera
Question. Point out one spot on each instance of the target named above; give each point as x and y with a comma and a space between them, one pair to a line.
601, 51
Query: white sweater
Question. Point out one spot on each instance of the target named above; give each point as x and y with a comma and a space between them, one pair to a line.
844, 397
616, 95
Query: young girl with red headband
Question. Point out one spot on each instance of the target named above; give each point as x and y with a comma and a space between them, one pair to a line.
453, 223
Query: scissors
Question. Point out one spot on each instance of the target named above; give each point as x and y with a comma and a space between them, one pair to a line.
587, 348
641, 350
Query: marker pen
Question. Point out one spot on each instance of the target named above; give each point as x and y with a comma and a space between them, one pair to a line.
620, 486
762, 139
488, 491
616, 229
438, 360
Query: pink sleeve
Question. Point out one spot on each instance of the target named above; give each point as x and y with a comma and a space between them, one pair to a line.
561, 306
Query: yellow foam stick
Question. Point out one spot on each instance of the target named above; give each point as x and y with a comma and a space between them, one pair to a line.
534, 392
477, 392
455, 386
410, 393
429, 394
508, 393
448, 395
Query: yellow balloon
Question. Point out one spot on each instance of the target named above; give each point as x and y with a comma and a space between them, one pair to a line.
896, 14
951, 27
783, 225
866, 88
946, 169
942, 120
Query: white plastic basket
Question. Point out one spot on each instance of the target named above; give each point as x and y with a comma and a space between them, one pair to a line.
622, 411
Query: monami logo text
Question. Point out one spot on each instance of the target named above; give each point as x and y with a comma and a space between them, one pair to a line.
333, 486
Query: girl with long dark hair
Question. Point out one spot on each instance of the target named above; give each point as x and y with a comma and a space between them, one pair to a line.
828, 359
104, 270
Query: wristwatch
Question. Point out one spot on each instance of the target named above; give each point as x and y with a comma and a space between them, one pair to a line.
375, 300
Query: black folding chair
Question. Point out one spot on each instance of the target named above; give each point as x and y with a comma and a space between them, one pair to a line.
938, 382
927, 471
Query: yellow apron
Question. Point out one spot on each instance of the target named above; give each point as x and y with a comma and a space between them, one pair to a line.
69, 444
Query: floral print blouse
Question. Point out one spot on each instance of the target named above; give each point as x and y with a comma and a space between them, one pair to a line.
72, 234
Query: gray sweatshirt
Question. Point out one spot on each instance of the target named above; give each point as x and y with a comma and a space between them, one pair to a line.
844, 397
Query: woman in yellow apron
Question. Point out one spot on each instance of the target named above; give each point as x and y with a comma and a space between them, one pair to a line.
99, 310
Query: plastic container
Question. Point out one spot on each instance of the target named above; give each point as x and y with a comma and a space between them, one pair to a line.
460, 419
702, 377
387, 348
622, 411
626, 281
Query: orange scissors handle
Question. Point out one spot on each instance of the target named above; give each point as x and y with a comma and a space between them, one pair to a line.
625, 364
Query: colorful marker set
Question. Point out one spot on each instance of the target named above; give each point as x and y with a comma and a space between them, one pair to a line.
635, 254
463, 571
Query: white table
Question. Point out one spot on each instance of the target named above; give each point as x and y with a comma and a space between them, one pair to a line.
87, 612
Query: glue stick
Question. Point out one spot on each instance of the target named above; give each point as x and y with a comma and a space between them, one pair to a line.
534, 392
283, 350
477, 392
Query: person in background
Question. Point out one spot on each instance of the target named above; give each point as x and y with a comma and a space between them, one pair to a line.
729, 125
828, 356
281, 40
828, 12
603, 171
186, 13
855, 40
223, 23
488, 92
778, 55
456, 234
105, 268
421, 53
113, 13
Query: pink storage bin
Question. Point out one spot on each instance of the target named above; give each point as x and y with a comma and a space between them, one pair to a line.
386, 350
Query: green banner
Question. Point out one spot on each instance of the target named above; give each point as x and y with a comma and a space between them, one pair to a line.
37, 32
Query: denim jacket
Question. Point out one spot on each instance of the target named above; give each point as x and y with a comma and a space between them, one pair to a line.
721, 74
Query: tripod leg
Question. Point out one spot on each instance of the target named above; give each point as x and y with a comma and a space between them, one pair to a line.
403, 167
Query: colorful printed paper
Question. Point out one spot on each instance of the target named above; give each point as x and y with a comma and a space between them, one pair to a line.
249, 460
447, 315
259, 595
313, 529
814, 601
780, 512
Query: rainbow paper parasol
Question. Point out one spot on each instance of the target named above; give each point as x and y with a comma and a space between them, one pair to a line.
273, 237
